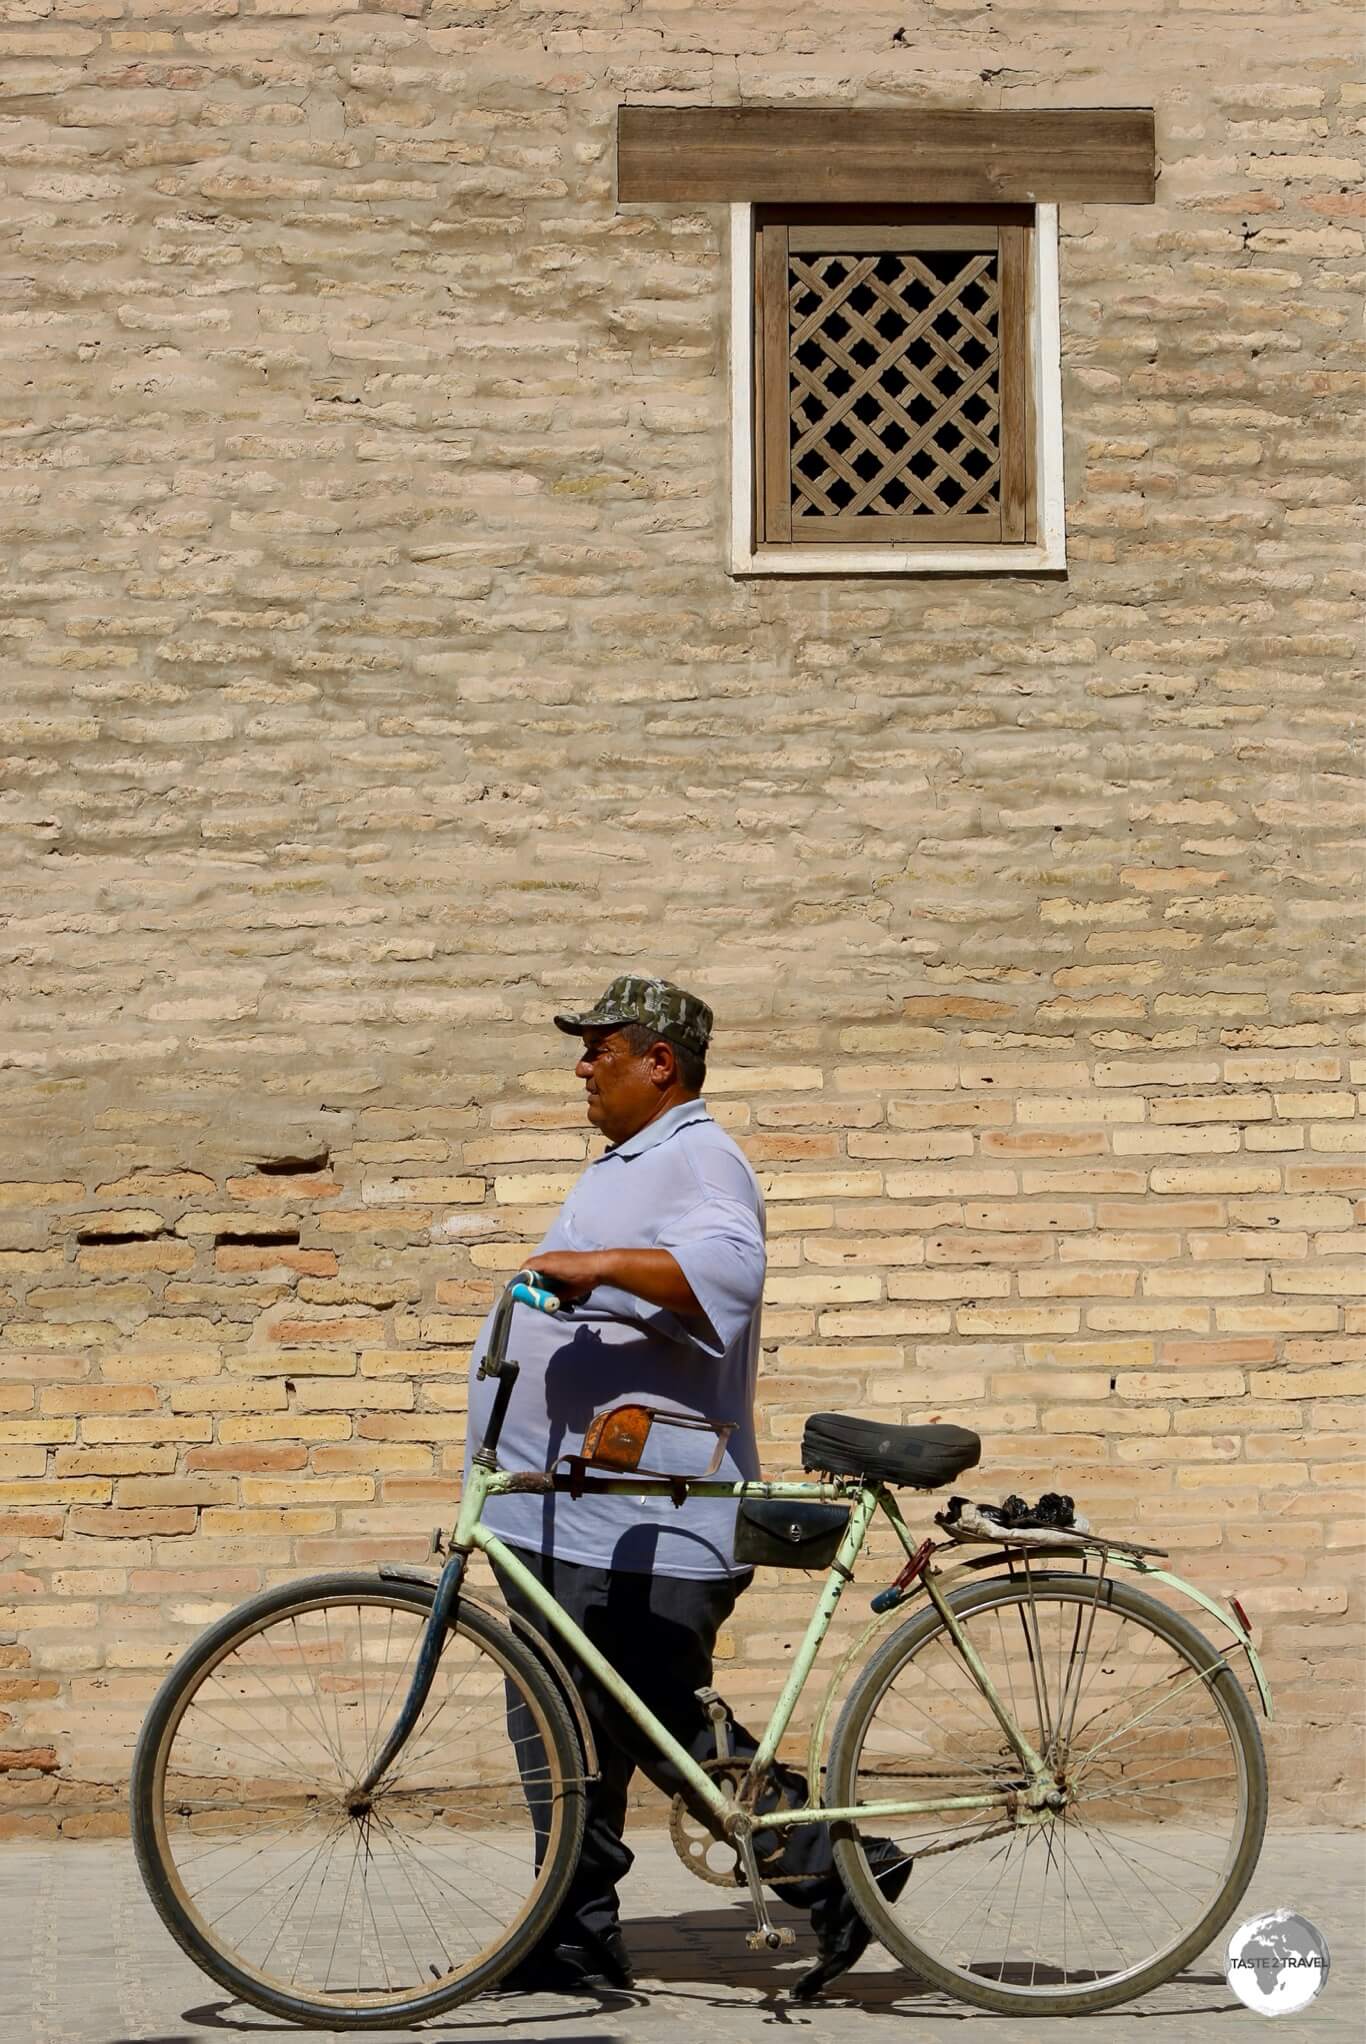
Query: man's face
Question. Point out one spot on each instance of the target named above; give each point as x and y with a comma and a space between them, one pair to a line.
621, 1084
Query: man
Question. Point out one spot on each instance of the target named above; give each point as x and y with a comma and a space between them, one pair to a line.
658, 1255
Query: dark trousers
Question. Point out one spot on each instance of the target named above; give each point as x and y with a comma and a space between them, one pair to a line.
659, 1632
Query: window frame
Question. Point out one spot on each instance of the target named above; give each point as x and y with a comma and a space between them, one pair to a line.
1044, 553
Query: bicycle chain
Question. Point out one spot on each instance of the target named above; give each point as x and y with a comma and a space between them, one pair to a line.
694, 1848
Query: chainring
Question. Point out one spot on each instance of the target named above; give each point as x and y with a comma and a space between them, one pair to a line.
692, 1841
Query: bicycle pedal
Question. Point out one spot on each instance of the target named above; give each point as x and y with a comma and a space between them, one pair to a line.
771, 1940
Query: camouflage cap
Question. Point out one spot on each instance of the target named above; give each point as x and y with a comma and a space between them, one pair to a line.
657, 1003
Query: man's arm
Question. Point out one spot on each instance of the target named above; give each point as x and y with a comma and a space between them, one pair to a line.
650, 1274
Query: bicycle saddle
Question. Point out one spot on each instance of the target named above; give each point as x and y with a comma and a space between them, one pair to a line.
924, 1457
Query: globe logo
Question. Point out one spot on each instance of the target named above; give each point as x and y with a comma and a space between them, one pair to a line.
1276, 1964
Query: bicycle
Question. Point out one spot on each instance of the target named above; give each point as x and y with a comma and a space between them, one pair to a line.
1071, 1772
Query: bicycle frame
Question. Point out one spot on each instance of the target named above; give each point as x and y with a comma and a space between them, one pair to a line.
1037, 1790
864, 1500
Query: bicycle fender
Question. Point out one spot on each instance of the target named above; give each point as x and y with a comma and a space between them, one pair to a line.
1226, 1618
1137, 1566
408, 1573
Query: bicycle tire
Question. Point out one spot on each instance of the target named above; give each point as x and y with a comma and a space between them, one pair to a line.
510, 1657
842, 1778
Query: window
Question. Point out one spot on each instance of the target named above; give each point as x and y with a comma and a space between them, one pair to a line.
896, 388
895, 384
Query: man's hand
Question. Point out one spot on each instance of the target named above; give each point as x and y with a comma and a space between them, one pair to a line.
650, 1274
572, 1273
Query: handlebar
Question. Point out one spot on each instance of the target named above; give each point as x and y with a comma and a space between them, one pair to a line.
528, 1288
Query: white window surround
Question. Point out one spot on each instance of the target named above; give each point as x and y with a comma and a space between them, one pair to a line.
1047, 554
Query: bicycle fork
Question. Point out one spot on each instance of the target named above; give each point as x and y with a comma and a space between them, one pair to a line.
424, 1674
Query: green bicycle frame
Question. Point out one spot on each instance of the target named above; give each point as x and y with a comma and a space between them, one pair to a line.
470, 1532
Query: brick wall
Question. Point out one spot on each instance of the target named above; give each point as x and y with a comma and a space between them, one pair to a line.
372, 684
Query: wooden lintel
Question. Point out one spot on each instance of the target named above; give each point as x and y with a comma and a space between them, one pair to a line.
843, 156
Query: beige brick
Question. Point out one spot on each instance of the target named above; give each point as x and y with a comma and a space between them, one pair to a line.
16, 1462
231, 1522
1174, 1142
1207, 1354
1231, 1281
310, 1490
1085, 1109
445, 1192
883, 1252
1157, 1072
1273, 1136
149, 1184
752, 1079
1258, 1244
257, 1187
266, 1395
1321, 1212
1233, 1178
959, 1112
1026, 1215
175, 1490
1344, 1380
36, 1432
857, 1321
527, 1148
1144, 1317
297, 1362
1013, 1320
1079, 1281
285, 1426
1315, 1106
92, 1397
976, 1283
1034, 1143
1282, 1318
819, 1291
1096, 1179
155, 1428
811, 1185
911, 1148
1103, 1247
36, 1192
921, 1078
985, 1250
1213, 1107
1152, 1386
1147, 1421
953, 1182
1334, 1282
1338, 1135
1273, 1070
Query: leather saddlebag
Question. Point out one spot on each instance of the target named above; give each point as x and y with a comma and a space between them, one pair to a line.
771, 1533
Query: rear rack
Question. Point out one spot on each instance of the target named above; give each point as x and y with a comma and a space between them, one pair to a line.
1048, 1537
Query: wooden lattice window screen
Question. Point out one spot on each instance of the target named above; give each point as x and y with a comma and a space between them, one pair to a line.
892, 379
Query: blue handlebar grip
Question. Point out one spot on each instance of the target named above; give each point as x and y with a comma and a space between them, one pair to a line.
532, 1295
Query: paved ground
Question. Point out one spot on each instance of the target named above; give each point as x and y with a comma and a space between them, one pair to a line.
84, 1960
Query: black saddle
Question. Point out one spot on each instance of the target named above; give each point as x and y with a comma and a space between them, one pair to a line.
924, 1457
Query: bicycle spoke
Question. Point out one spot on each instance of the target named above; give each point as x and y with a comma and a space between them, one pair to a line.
301, 1882
1150, 1797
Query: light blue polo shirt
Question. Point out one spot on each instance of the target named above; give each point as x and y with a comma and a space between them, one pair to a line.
680, 1184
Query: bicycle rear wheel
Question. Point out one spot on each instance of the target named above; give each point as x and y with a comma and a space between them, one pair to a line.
292, 1890
1152, 1745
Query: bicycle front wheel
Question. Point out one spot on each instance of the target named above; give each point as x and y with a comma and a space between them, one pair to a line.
308, 1899
1158, 1771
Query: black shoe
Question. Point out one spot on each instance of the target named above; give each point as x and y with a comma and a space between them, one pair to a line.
572, 1968
842, 1936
